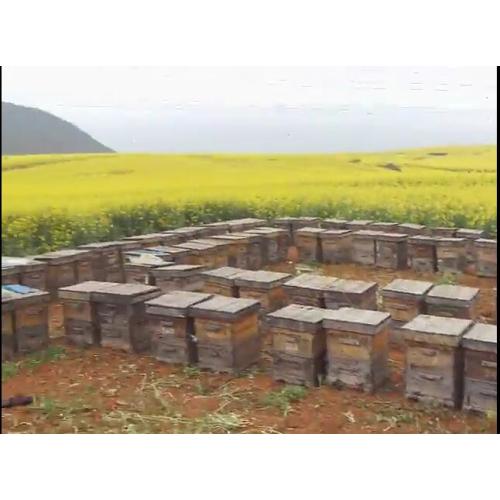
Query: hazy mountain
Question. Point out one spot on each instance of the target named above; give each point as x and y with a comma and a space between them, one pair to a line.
33, 131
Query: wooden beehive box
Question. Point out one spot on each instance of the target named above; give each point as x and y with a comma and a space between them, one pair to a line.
227, 333
239, 225
307, 240
26, 316
8, 335
11, 273
334, 224
236, 249
175, 254
185, 277
292, 224
480, 368
107, 262
275, 243
413, 229
403, 300
453, 301
422, 253
32, 273
120, 313
254, 246
485, 251
451, 255
148, 240
443, 232
203, 253
358, 225
298, 344
214, 228
470, 235
308, 289
385, 227
189, 232
141, 272
222, 281
391, 250
80, 317
172, 326
434, 361
351, 293
221, 250
357, 343
363, 247
336, 246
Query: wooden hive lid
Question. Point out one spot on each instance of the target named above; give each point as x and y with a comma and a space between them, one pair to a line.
391, 237
21, 295
436, 329
8, 268
249, 236
175, 304
213, 242
445, 231
268, 231
481, 337
230, 237
261, 279
224, 308
366, 233
100, 244
350, 319
335, 233
336, 221
12, 265
441, 294
175, 250
310, 281
247, 220
384, 225
351, 286
406, 287
485, 242
126, 293
63, 256
177, 270
450, 241
422, 239
471, 233
297, 317
196, 246
84, 290
412, 227
145, 237
359, 222
310, 230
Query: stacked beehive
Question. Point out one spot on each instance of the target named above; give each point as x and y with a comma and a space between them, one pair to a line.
308, 289
24, 271
107, 259
351, 293
363, 249
336, 246
485, 252
422, 253
451, 255
453, 301
222, 281
470, 235
391, 250
178, 277
275, 242
308, 242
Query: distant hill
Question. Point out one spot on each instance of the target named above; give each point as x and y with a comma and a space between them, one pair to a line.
33, 131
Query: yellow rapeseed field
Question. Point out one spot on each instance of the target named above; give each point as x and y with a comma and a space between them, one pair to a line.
65, 199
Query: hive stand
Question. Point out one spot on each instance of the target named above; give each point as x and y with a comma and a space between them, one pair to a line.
307, 240
222, 281
357, 347
422, 253
171, 326
453, 301
434, 360
480, 370
485, 252
25, 271
451, 255
336, 246
351, 293
298, 344
308, 289
184, 277
227, 333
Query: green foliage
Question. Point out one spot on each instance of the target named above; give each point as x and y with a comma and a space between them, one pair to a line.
283, 398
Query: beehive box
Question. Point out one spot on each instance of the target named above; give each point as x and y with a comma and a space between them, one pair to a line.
351, 293
434, 361
292, 224
357, 347
184, 277
307, 240
11, 273
413, 229
175, 254
308, 289
385, 227
107, 263
237, 249
30, 272
275, 243
391, 250
451, 255
298, 344
25, 312
141, 272
204, 253
222, 281
422, 253
120, 313
480, 368
80, 317
485, 252
358, 225
151, 239
227, 333
172, 326
443, 232
334, 224
189, 232
453, 301
239, 225
363, 247
214, 228
221, 250
336, 246
254, 246
470, 235
403, 300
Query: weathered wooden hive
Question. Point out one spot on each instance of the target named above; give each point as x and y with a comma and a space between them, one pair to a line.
334, 224
422, 254
203, 253
237, 249
185, 277
451, 255
254, 244
298, 344
214, 228
336, 246
121, 317
358, 225
24, 320
80, 312
363, 247
403, 300
413, 229
107, 259
357, 347
175, 254
307, 240
222, 281
443, 232
275, 243
308, 289
25, 271
485, 251
227, 333
154, 239
391, 250
221, 250
171, 326
139, 270
239, 225
190, 232
470, 235
434, 360
292, 224
351, 293
480, 368
453, 301
385, 227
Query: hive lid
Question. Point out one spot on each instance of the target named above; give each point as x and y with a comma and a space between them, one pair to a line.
196, 246
470, 233
364, 320
145, 237
171, 250
175, 303
410, 287
310, 230
485, 242
247, 220
20, 262
423, 239
366, 233
213, 242
437, 325
185, 230
412, 227
127, 293
84, 290
384, 225
261, 278
249, 235
225, 307
311, 281
335, 233
453, 292
336, 221
392, 236
225, 272
295, 312
100, 244
229, 237
359, 222
350, 286
482, 332
265, 230
21, 294
445, 240
178, 269
65, 255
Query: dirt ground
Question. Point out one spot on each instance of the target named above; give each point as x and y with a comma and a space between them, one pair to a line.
99, 390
